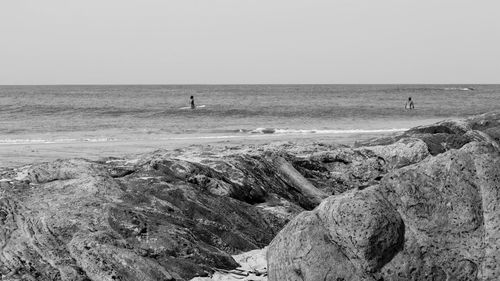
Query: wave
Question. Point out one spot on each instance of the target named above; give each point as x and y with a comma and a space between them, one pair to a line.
48, 141
269, 130
218, 134
314, 131
459, 89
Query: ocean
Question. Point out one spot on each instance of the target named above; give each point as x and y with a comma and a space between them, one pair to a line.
101, 113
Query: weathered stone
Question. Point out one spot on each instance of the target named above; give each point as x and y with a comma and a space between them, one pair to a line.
449, 205
343, 169
450, 134
155, 219
447, 196
402, 153
348, 236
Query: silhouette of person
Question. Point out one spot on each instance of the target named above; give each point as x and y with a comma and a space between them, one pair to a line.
409, 104
192, 103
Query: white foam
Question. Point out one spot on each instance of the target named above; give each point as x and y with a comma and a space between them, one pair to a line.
315, 131
48, 141
259, 132
25, 141
458, 89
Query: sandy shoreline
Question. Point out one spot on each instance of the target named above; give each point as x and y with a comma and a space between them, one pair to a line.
21, 154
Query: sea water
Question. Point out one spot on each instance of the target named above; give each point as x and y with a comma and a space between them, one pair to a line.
99, 113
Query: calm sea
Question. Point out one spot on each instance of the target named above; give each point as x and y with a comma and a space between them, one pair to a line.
31, 114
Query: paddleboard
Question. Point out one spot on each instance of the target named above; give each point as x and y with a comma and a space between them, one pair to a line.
189, 107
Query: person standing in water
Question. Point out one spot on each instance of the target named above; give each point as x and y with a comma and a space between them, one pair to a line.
192, 103
409, 104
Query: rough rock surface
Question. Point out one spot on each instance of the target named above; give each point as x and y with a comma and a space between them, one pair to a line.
439, 212
446, 135
421, 205
158, 219
346, 236
450, 207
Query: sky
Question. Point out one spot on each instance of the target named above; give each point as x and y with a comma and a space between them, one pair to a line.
249, 41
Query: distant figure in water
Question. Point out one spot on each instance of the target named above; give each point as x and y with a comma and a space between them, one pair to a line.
192, 103
409, 104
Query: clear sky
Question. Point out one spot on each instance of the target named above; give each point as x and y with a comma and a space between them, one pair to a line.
249, 41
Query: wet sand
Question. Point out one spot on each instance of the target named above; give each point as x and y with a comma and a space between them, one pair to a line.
12, 155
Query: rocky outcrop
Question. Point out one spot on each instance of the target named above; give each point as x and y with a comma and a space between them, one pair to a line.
446, 135
164, 216
416, 206
157, 219
439, 213
342, 169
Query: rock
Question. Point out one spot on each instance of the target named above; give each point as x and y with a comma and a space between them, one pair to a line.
159, 218
446, 203
450, 134
347, 237
287, 172
304, 251
100, 260
404, 152
342, 169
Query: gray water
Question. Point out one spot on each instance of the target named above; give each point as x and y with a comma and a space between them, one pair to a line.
130, 112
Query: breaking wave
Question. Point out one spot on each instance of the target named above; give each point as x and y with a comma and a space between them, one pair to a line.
197, 135
314, 131
47, 141
459, 89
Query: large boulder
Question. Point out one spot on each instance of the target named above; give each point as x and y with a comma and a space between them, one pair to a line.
450, 207
346, 237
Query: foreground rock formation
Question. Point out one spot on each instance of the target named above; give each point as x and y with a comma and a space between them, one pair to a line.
421, 205
435, 219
